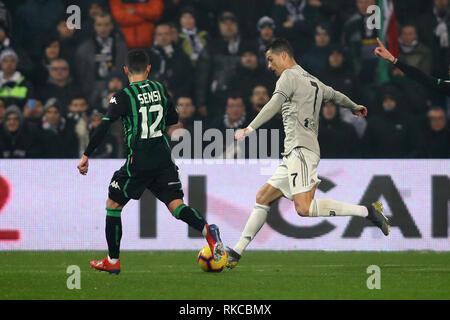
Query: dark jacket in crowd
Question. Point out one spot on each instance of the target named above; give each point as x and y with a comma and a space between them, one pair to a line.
173, 70
315, 61
35, 20
215, 70
85, 61
61, 142
246, 79
435, 144
26, 142
342, 80
391, 134
64, 94
338, 139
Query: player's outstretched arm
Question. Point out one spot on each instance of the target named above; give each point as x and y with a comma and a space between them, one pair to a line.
412, 72
269, 110
94, 142
384, 53
360, 112
83, 166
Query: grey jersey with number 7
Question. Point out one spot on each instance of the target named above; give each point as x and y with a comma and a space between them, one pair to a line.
304, 95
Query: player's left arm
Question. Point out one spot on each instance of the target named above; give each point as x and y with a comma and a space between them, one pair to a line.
117, 107
340, 99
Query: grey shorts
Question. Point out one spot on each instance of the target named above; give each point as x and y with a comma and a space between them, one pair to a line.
297, 173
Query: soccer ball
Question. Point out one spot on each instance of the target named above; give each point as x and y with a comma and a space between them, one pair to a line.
207, 263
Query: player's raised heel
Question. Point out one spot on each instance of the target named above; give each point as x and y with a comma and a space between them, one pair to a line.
378, 218
232, 258
214, 241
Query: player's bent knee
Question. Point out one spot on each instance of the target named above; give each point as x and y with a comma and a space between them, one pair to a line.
112, 204
302, 210
260, 199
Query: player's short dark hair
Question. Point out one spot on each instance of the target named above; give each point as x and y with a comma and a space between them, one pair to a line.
137, 61
278, 45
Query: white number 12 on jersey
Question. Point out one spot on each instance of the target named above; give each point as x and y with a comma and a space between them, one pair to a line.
153, 134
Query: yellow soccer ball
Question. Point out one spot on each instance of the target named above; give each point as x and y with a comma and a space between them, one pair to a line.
207, 263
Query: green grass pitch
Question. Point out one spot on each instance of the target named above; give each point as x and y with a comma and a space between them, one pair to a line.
260, 275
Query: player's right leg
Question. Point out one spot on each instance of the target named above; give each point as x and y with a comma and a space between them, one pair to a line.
195, 220
166, 186
266, 195
122, 187
113, 232
303, 180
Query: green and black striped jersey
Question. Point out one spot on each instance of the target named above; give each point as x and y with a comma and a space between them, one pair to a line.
146, 110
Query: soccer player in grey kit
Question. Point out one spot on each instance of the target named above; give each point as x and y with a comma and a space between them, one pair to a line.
299, 95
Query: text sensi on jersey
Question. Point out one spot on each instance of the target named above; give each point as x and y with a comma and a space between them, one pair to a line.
148, 97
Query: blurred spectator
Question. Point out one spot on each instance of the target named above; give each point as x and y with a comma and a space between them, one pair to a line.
174, 34
235, 117
24, 64
170, 65
59, 85
415, 95
266, 28
192, 40
136, 19
186, 117
361, 42
260, 96
391, 133
51, 51
249, 73
5, 18
315, 60
204, 10
435, 33
33, 111
435, 136
186, 113
18, 138
60, 140
216, 66
297, 19
93, 8
69, 40
100, 98
2, 111
412, 52
338, 74
108, 148
78, 115
97, 57
14, 87
337, 138
35, 20
247, 13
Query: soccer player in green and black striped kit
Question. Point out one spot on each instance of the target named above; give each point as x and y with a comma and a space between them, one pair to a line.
146, 110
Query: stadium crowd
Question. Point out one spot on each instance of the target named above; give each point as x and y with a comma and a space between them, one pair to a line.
56, 82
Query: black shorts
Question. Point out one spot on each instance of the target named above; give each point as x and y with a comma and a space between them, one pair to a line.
164, 184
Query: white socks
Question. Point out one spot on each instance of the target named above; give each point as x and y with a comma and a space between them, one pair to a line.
318, 208
254, 224
112, 261
329, 207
